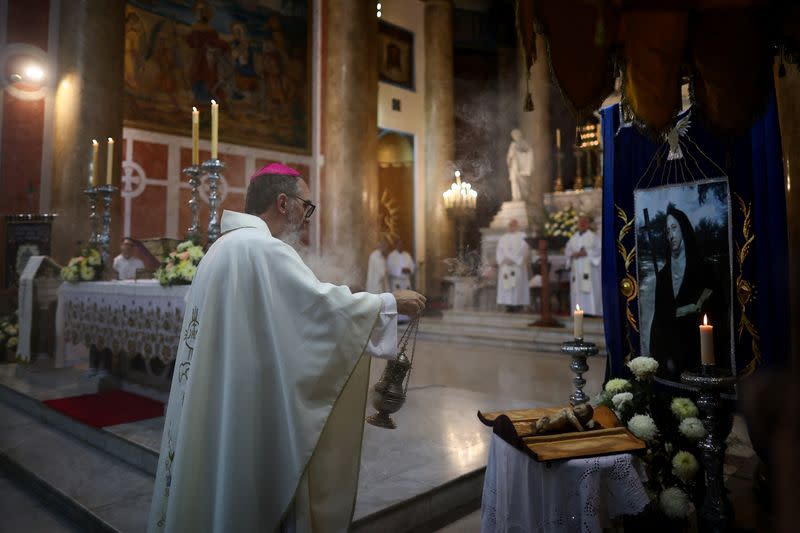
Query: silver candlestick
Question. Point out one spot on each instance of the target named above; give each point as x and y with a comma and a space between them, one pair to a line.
213, 169
104, 239
193, 173
716, 514
91, 193
579, 351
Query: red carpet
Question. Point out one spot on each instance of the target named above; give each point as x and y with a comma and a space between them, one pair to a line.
107, 408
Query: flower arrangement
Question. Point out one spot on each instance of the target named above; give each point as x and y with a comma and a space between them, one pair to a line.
9, 336
561, 224
670, 428
180, 266
86, 267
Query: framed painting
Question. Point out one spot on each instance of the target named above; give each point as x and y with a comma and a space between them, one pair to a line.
684, 265
253, 57
396, 55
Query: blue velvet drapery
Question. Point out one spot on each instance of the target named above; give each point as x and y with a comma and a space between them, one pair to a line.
754, 166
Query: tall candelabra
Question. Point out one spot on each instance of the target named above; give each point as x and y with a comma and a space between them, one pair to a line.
91, 193
460, 201
579, 351
193, 173
213, 170
716, 515
104, 239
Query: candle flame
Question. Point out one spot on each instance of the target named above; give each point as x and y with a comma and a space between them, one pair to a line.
194, 109
110, 140
94, 142
213, 102
577, 307
705, 320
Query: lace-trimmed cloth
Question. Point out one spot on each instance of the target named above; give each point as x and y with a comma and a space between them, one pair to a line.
580, 495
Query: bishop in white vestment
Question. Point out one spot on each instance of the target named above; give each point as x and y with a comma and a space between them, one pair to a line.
265, 416
513, 256
583, 259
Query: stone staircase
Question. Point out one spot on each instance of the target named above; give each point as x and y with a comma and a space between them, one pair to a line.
506, 330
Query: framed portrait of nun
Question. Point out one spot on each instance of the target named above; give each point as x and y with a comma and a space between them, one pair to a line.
684, 267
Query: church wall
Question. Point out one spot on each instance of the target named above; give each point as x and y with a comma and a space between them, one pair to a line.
409, 15
26, 34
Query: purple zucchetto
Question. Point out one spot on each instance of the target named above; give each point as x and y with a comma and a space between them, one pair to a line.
275, 168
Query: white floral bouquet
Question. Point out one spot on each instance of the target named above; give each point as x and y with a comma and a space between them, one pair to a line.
180, 266
561, 224
9, 336
672, 431
86, 267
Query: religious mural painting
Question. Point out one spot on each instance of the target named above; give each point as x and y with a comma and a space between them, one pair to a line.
396, 55
684, 264
253, 57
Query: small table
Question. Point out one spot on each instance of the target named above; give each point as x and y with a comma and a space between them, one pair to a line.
520, 494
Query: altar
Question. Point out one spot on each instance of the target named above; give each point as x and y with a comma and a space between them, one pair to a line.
134, 325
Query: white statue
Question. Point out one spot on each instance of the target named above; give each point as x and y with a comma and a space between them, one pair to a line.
520, 164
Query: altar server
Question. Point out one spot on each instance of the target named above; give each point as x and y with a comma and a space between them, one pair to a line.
377, 274
513, 256
583, 260
265, 417
125, 264
401, 267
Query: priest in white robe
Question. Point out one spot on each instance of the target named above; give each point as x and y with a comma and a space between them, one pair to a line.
266, 412
583, 260
401, 267
377, 272
513, 258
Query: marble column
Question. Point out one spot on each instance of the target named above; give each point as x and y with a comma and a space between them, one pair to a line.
536, 127
349, 192
88, 106
788, 93
439, 139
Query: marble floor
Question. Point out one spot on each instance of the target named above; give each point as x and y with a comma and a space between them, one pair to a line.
23, 513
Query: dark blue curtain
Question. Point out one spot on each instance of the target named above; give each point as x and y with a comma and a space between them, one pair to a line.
753, 164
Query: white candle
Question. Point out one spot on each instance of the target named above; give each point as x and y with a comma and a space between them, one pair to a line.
558, 139
214, 128
706, 342
95, 163
195, 136
110, 161
577, 319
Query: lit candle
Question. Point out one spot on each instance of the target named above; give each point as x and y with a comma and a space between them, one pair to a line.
110, 161
558, 139
577, 319
214, 128
95, 163
195, 136
706, 342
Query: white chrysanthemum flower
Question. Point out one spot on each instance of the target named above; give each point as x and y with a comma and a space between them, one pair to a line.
643, 427
94, 258
643, 367
10, 330
182, 247
196, 253
674, 502
684, 465
87, 272
683, 408
12, 342
617, 385
692, 428
621, 399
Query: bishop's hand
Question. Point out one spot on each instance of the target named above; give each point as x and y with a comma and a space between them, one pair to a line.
409, 302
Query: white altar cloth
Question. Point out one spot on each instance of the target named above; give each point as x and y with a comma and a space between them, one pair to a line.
580, 495
136, 317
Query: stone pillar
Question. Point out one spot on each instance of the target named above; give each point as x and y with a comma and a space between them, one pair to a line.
536, 127
349, 193
88, 106
788, 93
439, 139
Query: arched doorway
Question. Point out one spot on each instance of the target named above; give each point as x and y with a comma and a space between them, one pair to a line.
396, 187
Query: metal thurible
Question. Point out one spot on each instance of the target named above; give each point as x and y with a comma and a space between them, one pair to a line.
194, 173
716, 514
104, 239
213, 169
579, 351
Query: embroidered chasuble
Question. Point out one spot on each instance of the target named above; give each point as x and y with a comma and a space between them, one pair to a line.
266, 412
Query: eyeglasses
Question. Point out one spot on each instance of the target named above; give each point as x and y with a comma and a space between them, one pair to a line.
307, 205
